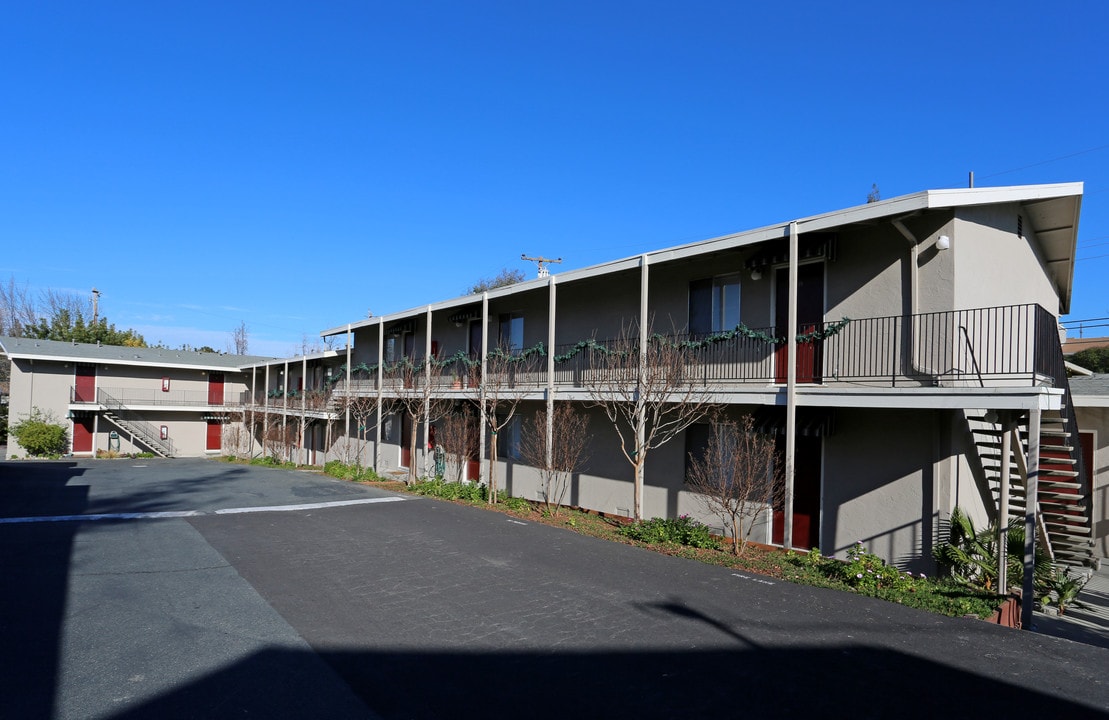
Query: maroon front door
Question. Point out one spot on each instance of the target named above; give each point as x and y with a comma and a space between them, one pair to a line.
810, 316
405, 441
82, 435
84, 384
214, 440
215, 389
806, 494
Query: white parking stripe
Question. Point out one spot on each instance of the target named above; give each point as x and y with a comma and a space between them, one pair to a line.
193, 513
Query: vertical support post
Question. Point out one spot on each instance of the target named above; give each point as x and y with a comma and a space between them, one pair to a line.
1031, 507
551, 316
791, 390
346, 405
483, 464
1003, 509
285, 410
266, 411
427, 396
250, 407
641, 410
303, 404
380, 390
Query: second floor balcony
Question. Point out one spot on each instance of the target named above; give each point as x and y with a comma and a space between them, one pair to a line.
1016, 345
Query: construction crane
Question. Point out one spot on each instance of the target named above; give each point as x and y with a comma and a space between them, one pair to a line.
543, 271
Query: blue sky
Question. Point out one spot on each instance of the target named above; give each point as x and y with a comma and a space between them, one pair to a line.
294, 165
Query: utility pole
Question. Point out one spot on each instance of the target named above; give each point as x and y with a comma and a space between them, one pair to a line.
95, 305
543, 271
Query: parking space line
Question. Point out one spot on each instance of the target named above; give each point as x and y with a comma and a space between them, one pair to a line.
159, 515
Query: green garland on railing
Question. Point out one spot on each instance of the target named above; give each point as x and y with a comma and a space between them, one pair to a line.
459, 357
739, 331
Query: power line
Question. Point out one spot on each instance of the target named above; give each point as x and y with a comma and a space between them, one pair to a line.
1045, 162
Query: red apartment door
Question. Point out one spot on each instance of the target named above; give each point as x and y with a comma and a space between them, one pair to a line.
810, 316
84, 384
405, 441
214, 439
82, 435
806, 494
215, 389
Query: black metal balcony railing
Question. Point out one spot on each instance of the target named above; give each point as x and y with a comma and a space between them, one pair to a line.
153, 397
998, 346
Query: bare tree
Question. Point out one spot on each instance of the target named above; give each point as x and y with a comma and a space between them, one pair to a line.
649, 397
566, 455
17, 309
240, 340
739, 477
457, 435
363, 410
505, 382
414, 392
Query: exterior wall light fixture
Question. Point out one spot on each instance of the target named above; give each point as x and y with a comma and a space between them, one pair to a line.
943, 242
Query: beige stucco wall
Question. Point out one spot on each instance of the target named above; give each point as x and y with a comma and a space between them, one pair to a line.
41, 385
880, 485
993, 266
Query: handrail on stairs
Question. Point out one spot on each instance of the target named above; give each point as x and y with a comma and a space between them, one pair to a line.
149, 433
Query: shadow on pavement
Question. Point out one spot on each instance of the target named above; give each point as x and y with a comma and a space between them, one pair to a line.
856, 682
34, 566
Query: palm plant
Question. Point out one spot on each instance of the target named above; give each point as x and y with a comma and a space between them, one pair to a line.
971, 555
1064, 590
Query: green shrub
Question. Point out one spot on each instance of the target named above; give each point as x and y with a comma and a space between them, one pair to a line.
41, 435
471, 492
683, 530
869, 574
516, 504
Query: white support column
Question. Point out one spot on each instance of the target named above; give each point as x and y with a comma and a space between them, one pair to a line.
1003, 509
791, 390
483, 463
285, 409
1031, 492
303, 401
644, 322
427, 401
266, 410
552, 293
346, 405
250, 407
380, 390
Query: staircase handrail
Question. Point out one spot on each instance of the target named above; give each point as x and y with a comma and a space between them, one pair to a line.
149, 433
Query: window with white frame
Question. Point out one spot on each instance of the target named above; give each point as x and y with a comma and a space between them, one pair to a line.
714, 304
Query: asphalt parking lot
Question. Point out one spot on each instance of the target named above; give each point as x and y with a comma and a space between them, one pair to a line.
196, 589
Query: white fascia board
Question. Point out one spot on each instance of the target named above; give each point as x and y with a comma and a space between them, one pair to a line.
116, 361
999, 398
1094, 401
962, 197
294, 360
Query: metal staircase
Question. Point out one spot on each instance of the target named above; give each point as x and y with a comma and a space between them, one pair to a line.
1062, 499
134, 425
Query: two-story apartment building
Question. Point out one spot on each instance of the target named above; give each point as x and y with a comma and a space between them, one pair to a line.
904, 352
941, 352
173, 403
